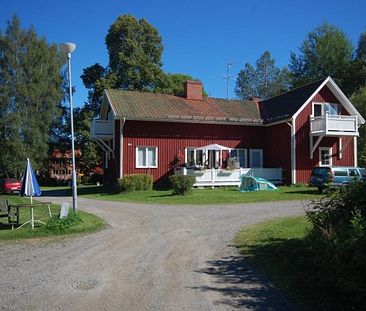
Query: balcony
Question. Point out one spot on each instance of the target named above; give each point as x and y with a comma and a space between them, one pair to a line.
334, 125
101, 129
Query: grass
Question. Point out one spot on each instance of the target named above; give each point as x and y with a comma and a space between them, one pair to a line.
228, 195
90, 223
279, 249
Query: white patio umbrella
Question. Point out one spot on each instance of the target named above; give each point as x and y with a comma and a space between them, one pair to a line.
215, 147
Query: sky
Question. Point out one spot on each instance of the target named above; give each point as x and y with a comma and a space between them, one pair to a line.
199, 37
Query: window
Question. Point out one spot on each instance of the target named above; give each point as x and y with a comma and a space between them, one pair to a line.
241, 155
146, 157
325, 156
320, 109
194, 157
256, 158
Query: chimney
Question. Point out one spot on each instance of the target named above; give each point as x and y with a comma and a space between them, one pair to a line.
255, 100
193, 90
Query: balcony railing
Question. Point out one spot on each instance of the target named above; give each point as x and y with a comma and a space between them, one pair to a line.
223, 177
102, 129
330, 125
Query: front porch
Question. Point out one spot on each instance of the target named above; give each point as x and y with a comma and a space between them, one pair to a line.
224, 177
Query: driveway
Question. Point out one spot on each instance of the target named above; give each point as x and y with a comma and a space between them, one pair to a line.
149, 258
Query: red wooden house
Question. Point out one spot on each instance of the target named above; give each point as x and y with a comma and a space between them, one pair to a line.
281, 138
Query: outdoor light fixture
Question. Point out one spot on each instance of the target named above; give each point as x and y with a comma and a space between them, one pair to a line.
68, 48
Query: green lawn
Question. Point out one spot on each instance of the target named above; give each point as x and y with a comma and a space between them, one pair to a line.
278, 248
89, 223
202, 196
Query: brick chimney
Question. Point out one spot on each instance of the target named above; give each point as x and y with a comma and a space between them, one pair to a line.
255, 100
193, 90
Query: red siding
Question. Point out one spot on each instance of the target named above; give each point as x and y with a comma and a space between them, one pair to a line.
303, 162
277, 150
172, 139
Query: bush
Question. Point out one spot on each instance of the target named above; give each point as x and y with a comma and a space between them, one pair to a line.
136, 182
57, 225
338, 239
181, 184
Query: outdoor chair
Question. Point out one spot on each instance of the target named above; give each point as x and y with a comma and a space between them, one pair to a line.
7, 211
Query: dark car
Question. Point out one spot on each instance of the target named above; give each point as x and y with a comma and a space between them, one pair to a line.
10, 185
335, 177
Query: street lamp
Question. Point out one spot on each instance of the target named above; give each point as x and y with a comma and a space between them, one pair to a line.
68, 48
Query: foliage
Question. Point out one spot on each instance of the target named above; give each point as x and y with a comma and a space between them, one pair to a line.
30, 97
339, 239
182, 184
264, 80
57, 225
358, 99
136, 182
326, 51
173, 83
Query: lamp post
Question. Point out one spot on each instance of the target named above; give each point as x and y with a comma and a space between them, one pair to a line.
68, 48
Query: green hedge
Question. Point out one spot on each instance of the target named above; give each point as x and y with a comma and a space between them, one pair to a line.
136, 182
181, 184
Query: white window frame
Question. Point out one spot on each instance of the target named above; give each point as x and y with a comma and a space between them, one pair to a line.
137, 156
237, 155
323, 108
194, 156
251, 151
329, 149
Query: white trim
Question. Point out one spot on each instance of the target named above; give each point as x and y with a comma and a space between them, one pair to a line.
147, 166
329, 149
251, 151
293, 151
344, 101
278, 122
121, 128
355, 151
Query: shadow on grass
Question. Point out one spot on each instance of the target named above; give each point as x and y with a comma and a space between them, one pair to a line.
242, 287
81, 191
302, 191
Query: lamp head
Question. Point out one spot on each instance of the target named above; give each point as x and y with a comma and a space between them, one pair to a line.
67, 47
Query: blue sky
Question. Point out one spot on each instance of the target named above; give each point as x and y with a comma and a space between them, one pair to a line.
199, 37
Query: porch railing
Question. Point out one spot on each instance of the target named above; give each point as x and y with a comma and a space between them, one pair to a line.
334, 125
101, 129
223, 177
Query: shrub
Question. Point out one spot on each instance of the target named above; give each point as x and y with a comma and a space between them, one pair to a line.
57, 225
338, 239
136, 182
182, 184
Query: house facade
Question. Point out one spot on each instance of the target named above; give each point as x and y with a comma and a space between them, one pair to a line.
157, 134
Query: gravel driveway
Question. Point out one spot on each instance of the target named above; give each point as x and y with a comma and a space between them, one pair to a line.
150, 258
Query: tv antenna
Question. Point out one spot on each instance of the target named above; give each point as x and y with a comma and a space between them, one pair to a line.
229, 76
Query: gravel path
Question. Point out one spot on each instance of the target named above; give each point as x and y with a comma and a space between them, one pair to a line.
150, 258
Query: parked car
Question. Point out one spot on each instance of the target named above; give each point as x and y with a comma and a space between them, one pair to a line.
323, 177
10, 185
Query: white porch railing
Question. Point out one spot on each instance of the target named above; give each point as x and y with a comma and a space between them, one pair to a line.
223, 177
331, 125
101, 129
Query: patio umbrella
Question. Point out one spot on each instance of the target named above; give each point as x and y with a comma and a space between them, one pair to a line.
30, 187
215, 147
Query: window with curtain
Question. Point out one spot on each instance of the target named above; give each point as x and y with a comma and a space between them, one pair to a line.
146, 157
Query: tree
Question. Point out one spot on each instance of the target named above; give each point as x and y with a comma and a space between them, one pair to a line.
264, 80
30, 97
358, 99
326, 51
173, 84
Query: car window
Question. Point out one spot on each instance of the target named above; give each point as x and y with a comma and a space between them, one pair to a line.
320, 171
353, 172
340, 173
362, 172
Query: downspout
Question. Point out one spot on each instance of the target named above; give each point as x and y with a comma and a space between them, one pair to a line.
122, 125
293, 150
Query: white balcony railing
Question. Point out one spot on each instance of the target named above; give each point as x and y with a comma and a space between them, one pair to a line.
102, 129
330, 125
223, 177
